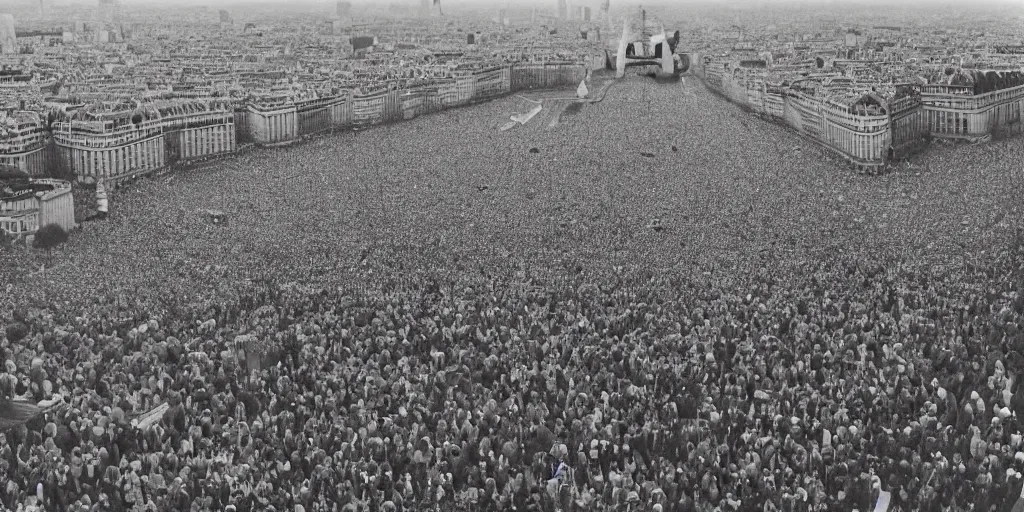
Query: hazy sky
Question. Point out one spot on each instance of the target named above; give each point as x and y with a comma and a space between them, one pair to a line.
216, 3
544, 3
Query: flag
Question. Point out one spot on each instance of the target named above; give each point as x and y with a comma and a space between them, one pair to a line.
526, 117
558, 470
152, 417
882, 505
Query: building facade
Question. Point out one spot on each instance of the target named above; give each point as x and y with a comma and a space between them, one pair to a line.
954, 112
110, 142
272, 123
869, 130
27, 207
197, 129
8, 37
25, 143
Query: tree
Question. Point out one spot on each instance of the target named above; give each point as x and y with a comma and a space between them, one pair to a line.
48, 237
12, 173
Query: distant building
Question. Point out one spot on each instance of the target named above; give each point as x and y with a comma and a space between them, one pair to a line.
27, 205
225, 17
110, 142
116, 141
563, 9
343, 10
332, 27
362, 42
23, 142
851, 39
109, 10
586, 14
8, 38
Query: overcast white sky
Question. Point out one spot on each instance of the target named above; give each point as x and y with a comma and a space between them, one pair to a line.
218, 3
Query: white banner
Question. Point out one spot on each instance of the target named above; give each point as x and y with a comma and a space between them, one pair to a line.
882, 505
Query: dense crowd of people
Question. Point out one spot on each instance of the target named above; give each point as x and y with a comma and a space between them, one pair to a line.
565, 362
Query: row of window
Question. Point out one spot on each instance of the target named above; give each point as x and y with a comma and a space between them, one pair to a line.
948, 122
209, 144
15, 227
860, 146
973, 103
124, 158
